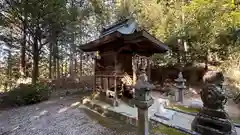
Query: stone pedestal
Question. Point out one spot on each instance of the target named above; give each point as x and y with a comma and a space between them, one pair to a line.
143, 124
213, 122
143, 127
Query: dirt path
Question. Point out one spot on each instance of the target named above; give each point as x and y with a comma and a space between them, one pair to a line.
56, 117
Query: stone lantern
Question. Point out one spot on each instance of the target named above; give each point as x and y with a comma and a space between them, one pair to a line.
143, 101
180, 85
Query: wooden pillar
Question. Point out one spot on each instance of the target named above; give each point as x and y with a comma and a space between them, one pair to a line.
115, 80
108, 83
94, 74
149, 69
134, 68
105, 84
101, 84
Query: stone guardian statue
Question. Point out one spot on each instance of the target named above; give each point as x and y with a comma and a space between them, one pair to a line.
213, 119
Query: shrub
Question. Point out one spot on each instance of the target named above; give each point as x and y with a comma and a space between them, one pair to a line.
26, 94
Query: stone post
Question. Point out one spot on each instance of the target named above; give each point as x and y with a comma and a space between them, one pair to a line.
143, 101
180, 84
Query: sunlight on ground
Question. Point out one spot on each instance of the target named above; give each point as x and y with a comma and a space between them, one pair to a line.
49, 102
63, 109
43, 112
86, 100
75, 104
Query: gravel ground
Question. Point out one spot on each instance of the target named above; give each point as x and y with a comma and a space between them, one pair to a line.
58, 117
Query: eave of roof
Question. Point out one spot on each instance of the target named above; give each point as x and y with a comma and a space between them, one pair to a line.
93, 45
127, 38
146, 36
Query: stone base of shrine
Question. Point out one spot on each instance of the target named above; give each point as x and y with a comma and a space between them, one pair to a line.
102, 96
218, 123
107, 97
108, 110
167, 115
128, 114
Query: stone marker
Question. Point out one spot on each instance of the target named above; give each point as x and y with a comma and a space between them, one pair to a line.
163, 113
213, 119
196, 103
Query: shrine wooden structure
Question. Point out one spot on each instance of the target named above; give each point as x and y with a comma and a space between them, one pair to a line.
122, 49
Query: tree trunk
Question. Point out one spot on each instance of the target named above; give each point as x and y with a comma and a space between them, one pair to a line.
185, 61
81, 60
75, 66
9, 70
55, 55
58, 69
50, 62
54, 61
179, 55
60, 61
206, 62
23, 51
71, 64
35, 61
57, 62
62, 68
67, 68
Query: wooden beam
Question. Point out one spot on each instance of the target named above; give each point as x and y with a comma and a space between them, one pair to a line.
133, 41
107, 53
110, 76
125, 47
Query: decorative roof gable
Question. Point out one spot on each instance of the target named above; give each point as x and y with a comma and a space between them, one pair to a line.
127, 26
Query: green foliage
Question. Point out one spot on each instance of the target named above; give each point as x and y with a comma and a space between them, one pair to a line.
236, 121
207, 26
26, 94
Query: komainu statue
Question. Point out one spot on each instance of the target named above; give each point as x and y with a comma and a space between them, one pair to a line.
213, 119
213, 94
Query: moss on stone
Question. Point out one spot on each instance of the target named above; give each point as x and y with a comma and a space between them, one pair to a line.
109, 122
167, 130
236, 121
184, 109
